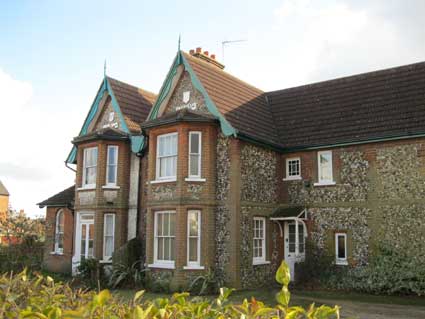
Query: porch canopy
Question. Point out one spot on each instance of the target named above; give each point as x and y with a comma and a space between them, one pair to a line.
297, 214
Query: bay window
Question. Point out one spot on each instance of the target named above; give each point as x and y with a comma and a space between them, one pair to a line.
90, 167
164, 243
193, 237
166, 158
111, 165
195, 154
108, 236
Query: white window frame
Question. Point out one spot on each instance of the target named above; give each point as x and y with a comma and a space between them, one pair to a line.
57, 232
319, 170
107, 165
160, 263
158, 166
341, 261
86, 150
199, 134
106, 257
260, 259
293, 177
197, 263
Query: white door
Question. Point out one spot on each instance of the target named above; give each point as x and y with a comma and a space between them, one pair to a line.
294, 249
84, 239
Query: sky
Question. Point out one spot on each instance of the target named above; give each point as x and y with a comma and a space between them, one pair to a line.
52, 57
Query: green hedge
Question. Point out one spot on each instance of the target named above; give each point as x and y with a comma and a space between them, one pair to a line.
40, 297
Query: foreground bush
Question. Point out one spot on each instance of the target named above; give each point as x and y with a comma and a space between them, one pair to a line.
41, 297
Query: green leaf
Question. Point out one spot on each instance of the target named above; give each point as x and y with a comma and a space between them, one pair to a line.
138, 295
283, 296
283, 275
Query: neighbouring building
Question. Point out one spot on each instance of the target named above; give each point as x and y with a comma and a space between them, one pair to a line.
4, 201
213, 173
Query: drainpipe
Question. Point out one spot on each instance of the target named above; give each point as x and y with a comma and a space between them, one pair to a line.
67, 166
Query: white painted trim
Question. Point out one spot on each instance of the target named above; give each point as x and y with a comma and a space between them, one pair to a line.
164, 181
257, 263
192, 179
114, 184
86, 188
324, 182
54, 253
257, 260
293, 177
341, 261
58, 250
110, 187
199, 134
104, 235
198, 262
163, 265
157, 164
76, 258
193, 267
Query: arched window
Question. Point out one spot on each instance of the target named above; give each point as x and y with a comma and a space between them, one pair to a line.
59, 230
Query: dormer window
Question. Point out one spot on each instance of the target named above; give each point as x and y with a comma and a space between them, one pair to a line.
111, 165
90, 167
166, 158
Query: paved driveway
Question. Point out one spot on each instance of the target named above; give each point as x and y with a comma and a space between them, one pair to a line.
363, 310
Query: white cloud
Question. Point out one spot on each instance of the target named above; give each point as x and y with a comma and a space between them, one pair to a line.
31, 160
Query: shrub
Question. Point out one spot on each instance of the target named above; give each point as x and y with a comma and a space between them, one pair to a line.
90, 272
40, 297
204, 284
123, 275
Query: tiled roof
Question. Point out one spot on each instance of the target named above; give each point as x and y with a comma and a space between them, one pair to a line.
243, 105
3, 190
134, 102
106, 134
62, 199
380, 104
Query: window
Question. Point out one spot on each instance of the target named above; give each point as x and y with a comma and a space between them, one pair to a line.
108, 235
164, 244
193, 237
166, 157
325, 167
341, 249
259, 244
59, 231
90, 167
293, 168
195, 154
111, 165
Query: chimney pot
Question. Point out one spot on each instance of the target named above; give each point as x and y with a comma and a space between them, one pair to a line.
199, 50
192, 52
206, 53
213, 56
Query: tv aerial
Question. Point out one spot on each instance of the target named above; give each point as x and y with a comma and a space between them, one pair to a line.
228, 42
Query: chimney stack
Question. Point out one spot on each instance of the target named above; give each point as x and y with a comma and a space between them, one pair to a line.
205, 56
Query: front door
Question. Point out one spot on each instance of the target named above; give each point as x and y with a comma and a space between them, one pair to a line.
84, 239
294, 249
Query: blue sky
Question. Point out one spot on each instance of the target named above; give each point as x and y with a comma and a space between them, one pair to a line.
52, 55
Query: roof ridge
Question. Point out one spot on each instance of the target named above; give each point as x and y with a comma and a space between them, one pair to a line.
209, 65
352, 76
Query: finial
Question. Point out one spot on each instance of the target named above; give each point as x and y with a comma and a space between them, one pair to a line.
104, 69
179, 42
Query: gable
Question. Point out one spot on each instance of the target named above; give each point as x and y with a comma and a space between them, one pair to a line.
107, 118
185, 96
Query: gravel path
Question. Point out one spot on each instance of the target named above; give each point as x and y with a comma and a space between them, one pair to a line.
363, 310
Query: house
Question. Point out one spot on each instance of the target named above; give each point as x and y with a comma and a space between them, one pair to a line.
4, 201
213, 173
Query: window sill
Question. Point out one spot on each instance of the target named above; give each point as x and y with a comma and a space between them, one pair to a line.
164, 181
162, 266
195, 179
193, 267
263, 262
110, 187
105, 261
297, 178
55, 253
341, 263
324, 184
86, 188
